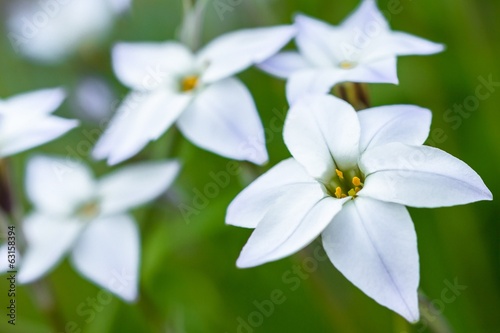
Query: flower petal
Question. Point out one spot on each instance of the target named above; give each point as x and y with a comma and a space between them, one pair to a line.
135, 185
365, 18
374, 245
318, 41
223, 119
58, 186
4, 264
320, 81
379, 71
284, 64
120, 6
48, 240
419, 177
233, 52
142, 117
289, 225
408, 124
20, 136
145, 66
398, 43
108, 254
35, 103
250, 206
311, 81
322, 133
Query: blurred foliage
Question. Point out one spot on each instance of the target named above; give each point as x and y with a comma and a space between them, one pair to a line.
189, 282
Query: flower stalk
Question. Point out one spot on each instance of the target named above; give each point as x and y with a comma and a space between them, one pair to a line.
43, 295
354, 93
6, 197
190, 32
432, 317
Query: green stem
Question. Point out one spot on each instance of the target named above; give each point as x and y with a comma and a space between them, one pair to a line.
44, 297
175, 143
150, 312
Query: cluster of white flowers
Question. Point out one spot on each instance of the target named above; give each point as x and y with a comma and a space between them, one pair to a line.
352, 173
349, 180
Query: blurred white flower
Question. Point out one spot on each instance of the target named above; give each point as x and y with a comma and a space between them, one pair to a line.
88, 219
26, 120
50, 30
349, 180
94, 99
170, 84
361, 49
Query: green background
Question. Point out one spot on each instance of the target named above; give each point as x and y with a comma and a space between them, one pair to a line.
189, 282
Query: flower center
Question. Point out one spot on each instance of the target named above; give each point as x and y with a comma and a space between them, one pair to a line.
189, 83
346, 64
346, 184
88, 210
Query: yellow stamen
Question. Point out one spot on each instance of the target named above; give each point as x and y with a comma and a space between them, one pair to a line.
352, 192
189, 83
357, 189
339, 173
89, 210
346, 64
356, 181
338, 192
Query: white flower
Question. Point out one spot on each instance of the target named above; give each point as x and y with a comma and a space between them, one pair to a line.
170, 84
361, 49
50, 30
88, 219
349, 180
26, 120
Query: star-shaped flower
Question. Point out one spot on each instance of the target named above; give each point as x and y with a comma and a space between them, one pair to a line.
349, 180
88, 219
26, 121
361, 49
198, 92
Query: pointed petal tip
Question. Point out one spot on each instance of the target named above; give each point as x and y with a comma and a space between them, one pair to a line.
259, 156
440, 47
488, 196
289, 30
60, 92
129, 296
175, 162
262, 160
73, 123
414, 316
23, 279
435, 48
300, 18
113, 158
112, 161
243, 262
